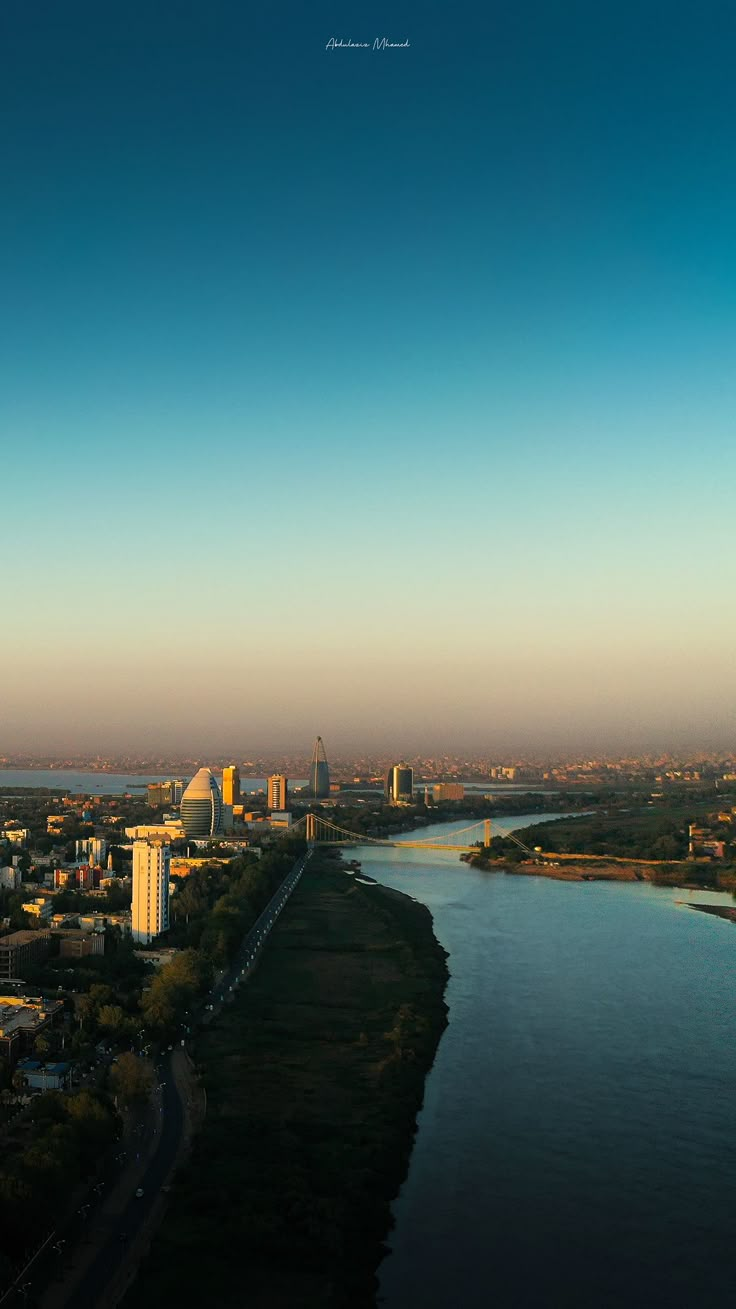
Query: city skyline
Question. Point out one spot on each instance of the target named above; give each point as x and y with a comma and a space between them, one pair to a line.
391, 392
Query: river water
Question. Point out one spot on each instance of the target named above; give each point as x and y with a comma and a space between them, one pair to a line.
577, 1145
85, 782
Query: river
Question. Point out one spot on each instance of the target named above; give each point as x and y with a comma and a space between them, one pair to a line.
577, 1144
88, 782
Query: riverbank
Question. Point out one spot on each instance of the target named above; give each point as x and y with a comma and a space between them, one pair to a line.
314, 1077
718, 910
600, 868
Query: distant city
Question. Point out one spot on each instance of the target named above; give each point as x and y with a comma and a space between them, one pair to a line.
691, 765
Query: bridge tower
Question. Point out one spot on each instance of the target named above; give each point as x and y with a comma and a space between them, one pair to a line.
487, 832
311, 823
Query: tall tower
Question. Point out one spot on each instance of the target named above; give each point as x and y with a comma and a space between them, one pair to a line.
201, 805
319, 772
400, 784
277, 792
150, 909
231, 785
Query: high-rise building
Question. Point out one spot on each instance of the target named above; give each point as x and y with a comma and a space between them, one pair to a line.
93, 848
201, 805
163, 793
278, 792
319, 772
231, 785
400, 784
150, 909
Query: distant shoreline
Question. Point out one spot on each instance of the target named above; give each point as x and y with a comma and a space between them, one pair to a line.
597, 868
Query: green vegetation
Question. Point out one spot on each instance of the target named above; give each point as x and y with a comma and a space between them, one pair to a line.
212, 911
314, 1077
652, 832
60, 1141
132, 1078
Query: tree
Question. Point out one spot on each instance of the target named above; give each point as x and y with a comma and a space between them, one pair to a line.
112, 1019
132, 1078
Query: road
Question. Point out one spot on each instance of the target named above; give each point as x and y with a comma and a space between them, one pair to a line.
101, 1283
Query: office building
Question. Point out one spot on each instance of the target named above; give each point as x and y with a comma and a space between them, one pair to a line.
22, 1021
319, 772
201, 805
400, 784
171, 830
231, 785
448, 791
22, 950
163, 793
150, 908
278, 792
76, 944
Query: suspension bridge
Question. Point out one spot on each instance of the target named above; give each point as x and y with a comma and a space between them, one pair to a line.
322, 831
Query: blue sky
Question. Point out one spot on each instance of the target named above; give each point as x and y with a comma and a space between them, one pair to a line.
406, 377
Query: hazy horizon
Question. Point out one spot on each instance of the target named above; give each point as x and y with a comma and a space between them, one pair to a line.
387, 396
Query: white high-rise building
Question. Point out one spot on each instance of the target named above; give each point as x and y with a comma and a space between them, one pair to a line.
150, 910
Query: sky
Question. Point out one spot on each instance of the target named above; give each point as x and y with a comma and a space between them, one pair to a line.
386, 394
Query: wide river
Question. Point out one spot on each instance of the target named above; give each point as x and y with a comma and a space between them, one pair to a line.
577, 1145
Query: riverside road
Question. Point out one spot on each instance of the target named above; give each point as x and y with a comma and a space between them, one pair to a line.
117, 1234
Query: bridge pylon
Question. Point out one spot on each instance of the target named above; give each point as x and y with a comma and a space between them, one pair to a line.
487, 832
311, 824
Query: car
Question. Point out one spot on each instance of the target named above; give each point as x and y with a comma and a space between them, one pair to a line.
139, 1193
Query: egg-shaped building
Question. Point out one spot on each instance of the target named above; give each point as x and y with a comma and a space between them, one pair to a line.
201, 805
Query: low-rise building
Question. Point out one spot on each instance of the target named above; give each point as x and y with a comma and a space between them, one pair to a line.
39, 909
16, 835
64, 878
22, 950
22, 1020
92, 922
76, 944
10, 878
171, 831
38, 1076
448, 791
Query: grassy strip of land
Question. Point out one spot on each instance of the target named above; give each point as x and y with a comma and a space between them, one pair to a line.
314, 1077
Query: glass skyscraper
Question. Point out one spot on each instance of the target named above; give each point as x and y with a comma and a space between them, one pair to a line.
319, 772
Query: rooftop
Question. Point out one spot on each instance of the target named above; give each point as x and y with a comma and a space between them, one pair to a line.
23, 937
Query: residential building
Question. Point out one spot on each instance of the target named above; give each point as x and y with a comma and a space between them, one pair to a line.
10, 878
231, 785
39, 909
151, 871
16, 835
64, 878
92, 848
277, 792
